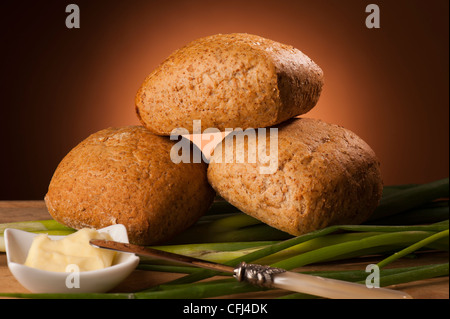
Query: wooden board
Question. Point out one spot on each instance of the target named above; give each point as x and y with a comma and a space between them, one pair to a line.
13, 211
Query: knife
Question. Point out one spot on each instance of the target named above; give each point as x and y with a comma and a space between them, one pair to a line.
266, 276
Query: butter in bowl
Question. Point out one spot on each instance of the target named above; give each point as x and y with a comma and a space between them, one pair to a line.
68, 264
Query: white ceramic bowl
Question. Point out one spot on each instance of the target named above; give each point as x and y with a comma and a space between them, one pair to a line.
18, 243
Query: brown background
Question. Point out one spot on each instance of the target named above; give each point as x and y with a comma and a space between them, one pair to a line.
389, 85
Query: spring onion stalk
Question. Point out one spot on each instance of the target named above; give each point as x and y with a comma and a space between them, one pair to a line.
422, 215
217, 288
33, 226
258, 232
393, 189
220, 206
55, 232
194, 291
225, 222
167, 268
325, 253
207, 251
413, 247
432, 271
215, 252
361, 275
224, 287
197, 250
208, 218
271, 249
205, 273
228, 223
198, 290
229, 236
347, 275
410, 198
213, 256
223, 207
69, 296
313, 244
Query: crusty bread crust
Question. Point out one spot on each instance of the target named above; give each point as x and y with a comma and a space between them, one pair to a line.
125, 176
229, 81
326, 175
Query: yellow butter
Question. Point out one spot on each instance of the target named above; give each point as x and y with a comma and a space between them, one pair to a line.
56, 255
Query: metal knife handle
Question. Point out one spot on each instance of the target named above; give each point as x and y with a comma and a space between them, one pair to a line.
325, 287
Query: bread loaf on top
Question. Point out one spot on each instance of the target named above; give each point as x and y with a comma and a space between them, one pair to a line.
228, 81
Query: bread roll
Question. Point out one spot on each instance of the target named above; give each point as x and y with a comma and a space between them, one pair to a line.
126, 176
324, 175
228, 81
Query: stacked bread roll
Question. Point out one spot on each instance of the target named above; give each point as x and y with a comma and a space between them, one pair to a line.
126, 176
321, 174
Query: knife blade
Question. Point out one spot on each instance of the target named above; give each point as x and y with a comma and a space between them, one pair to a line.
266, 276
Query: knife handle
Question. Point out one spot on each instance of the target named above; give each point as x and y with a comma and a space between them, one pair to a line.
332, 288
271, 277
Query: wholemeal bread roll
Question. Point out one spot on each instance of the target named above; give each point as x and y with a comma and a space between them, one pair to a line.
228, 81
323, 175
126, 176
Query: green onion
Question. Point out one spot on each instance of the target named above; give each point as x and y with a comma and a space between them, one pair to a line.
411, 197
313, 244
197, 250
421, 273
167, 268
332, 251
258, 232
427, 214
409, 218
33, 226
221, 206
271, 249
413, 247
230, 286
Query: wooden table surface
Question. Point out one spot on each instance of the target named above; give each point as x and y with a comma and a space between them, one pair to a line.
13, 211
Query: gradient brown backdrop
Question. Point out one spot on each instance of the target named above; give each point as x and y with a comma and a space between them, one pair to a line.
390, 85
